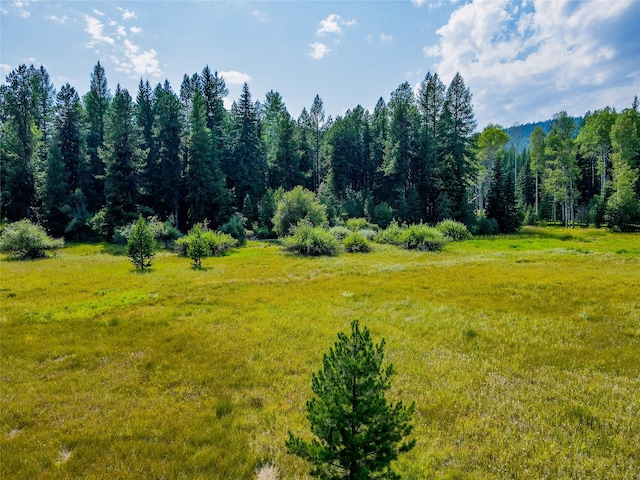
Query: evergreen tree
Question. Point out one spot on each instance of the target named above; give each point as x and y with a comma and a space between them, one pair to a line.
141, 245
122, 157
248, 172
358, 432
455, 170
490, 147
501, 202
165, 171
431, 98
145, 120
378, 132
97, 102
20, 144
317, 121
303, 141
55, 195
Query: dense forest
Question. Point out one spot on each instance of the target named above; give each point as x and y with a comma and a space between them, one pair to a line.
85, 166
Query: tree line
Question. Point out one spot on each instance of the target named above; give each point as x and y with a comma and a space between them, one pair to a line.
86, 166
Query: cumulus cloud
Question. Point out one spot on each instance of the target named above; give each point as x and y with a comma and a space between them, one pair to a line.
261, 16
95, 28
318, 50
386, 37
98, 12
507, 49
54, 18
135, 30
333, 24
233, 77
127, 14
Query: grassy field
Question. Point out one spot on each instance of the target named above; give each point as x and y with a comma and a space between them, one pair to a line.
522, 354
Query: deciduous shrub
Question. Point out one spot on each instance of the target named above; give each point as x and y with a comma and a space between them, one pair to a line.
296, 205
306, 239
26, 240
235, 228
216, 243
423, 237
355, 224
454, 231
355, 243
340, 232
391, 235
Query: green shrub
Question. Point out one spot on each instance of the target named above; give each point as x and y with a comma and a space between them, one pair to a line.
235, 228
197, 246
423, 237
294, 206
485, 226
454, 231
355, 224
340, 232
165, 232
306, 239
383, 214
355, 243
217, 243
391, 235
368, 233
26, 240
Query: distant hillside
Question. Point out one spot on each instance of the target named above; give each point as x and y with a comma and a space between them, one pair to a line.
519, 134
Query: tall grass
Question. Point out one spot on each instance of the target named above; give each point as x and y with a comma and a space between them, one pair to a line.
521, 352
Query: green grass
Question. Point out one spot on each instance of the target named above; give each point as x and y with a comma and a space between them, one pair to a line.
522, 354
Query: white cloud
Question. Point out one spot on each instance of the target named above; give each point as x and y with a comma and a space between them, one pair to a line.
135, 30
53, 18
318, 50
233, 77
385, 37
261, 16
95, 28
98, 12
121, 31
333, 24
512, 52
5, 68
127, 14
142, 63
418, 3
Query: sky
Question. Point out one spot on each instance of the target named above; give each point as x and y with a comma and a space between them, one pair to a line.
523, 60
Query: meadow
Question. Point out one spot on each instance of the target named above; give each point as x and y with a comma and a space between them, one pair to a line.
522, 354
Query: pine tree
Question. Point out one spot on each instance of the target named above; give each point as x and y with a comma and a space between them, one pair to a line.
358, 432
501, 201
141, 245
97, 102
123, 159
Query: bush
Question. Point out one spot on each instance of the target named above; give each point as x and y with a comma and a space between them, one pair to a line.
454, 231
165, 232
26, 240
294, 206
356, 243
235, 228
197, 247
423, 237
355, 224
368, 233
216, 243
383, 214
340, 232
306, 239
391, 235
485, 226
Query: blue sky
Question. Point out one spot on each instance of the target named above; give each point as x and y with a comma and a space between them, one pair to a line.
523, 60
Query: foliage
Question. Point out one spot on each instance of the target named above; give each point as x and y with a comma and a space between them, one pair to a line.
25, 240
141, 245
235, 228
197, 246
217, 243
368, 233
356, 242
391, 235
340, 232
454, 231
355, 224
484, 225
305, 239
165, 232
422, 237
358, 431
294, 206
